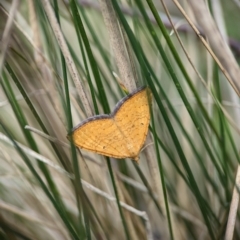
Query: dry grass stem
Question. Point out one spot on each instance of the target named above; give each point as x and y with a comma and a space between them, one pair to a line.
131, 209
30, 217
118, 45
46, 73
231, 121
6, 36
219, 18
237, 2
207, 87
217, 43
36, 155
44, 135
228, 72
70, 63
233, 208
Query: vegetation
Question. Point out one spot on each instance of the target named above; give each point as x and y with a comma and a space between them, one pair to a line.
64, 61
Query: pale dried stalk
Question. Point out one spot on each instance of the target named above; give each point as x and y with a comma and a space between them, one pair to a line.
231, 121
7, 33
219, 18
235, 199
233, 208
35, 30
117, 44
36, 155
130, 55
217, 43
18, 172
207, 46
154, 171
70, 63
218, 15
46, 136
122, 198
46, 73
176, 231
26, 215
141, 214
237, 2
